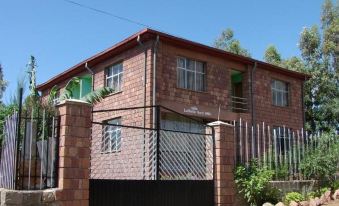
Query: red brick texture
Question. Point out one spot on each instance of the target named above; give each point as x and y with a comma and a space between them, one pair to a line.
218, 92
74, 153
127, 163
224, 165
218, 89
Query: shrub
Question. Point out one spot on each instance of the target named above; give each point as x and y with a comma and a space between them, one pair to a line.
253, 183
321, 162
293, 196
335, 185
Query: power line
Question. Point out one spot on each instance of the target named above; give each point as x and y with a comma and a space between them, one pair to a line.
108, 13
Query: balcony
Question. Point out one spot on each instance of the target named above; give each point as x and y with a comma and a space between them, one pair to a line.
239, 104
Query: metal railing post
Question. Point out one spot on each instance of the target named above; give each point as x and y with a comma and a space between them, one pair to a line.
158, 141
18, 139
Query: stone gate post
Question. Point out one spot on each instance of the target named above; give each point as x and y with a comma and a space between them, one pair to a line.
74, 153
224, 185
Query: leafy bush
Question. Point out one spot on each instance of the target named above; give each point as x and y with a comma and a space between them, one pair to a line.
321, 163
293, 196
317, 193
5, 110
335, 185
253, 183
281, 173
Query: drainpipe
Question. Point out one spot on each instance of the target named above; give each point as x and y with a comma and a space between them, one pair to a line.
303, 101
155, 51
252, 93
144, 77
144, 105
92, 73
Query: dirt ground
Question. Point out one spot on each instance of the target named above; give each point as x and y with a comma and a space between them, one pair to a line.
335, 203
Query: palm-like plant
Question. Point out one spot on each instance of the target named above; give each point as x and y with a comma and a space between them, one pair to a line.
92, 97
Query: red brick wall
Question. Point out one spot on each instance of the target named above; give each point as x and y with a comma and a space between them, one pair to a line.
217, 93
126, 163
290, 116
218, 89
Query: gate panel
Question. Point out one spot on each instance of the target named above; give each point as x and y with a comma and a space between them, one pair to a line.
151, 193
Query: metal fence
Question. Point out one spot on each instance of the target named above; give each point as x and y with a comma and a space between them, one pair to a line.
8, 158
174, 147
280, 149
30, 151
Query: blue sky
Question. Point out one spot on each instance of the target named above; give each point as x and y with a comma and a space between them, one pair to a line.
60, 34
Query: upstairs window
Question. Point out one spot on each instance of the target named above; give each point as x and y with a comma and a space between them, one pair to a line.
111, 137
280, 93
114, 75
190, 74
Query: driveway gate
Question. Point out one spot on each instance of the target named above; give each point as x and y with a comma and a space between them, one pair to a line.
136, 162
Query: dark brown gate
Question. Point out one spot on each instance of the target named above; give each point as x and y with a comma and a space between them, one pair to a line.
170, 163
151, 193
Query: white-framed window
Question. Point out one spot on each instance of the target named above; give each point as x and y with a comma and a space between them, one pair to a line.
113, 76
280, 93
111, 137
191, 74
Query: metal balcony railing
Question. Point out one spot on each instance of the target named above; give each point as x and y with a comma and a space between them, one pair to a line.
239, 104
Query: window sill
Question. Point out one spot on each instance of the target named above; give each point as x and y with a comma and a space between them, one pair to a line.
286, 107
114, 93
190, 90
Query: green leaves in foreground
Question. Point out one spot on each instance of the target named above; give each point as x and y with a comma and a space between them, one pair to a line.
253, 183
321, 163
97, 95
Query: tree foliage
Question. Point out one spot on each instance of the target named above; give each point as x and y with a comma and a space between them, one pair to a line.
3, 83
227, 42
5, 111
321, 163
92, 97
319, 53
272, 55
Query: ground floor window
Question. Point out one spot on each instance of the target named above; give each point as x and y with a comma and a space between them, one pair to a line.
111, 137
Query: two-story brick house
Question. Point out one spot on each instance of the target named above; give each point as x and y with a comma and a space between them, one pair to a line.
154, 68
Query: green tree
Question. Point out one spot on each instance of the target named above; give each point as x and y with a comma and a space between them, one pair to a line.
319, 55
3, 84
272, 55
227, 42
319, 51
330, 26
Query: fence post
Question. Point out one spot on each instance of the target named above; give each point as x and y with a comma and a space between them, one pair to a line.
74, 152
224, 186
18, 138
158, 142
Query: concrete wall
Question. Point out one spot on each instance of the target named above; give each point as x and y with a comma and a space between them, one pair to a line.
28, 198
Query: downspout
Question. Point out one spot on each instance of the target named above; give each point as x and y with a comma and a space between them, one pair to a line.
303, 102
156, 110
144, 77
155, 52
92, 73
144, 107
252, 93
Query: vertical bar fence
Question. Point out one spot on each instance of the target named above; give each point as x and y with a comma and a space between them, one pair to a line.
278, 148
29, 153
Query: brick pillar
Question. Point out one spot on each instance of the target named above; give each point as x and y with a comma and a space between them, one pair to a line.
224, 184
74, 153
